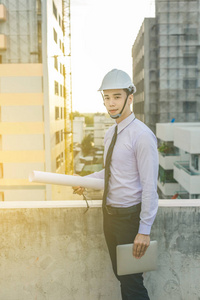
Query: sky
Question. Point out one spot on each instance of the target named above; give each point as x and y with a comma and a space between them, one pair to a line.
102, 35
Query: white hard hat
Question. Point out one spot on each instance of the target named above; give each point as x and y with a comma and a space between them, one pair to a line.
117, 79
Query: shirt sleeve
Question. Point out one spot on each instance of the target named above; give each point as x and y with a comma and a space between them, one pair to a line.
98, 175
147, 162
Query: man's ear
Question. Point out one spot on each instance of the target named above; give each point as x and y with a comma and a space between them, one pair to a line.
130, 99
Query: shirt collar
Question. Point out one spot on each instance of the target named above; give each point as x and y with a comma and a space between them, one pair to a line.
125, 122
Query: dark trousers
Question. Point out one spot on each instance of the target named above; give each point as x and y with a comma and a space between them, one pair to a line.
118, 230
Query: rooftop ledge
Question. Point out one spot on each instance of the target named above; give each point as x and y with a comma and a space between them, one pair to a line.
92, 203
49, 250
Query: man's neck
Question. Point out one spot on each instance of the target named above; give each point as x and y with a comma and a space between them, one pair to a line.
123, 117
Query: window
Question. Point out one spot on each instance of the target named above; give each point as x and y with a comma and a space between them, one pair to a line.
57, 137
61, 68
56, 62
60, 20
62, 157
55, 36
54, 10
61, 135
190, 34
190, 84
195, 161
61, 89
1, 170
60, 44
56, 89
57, 116
189, 107
1, 196
190, 60
57, 161
0, 59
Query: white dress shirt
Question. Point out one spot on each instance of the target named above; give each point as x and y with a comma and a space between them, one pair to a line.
134, 169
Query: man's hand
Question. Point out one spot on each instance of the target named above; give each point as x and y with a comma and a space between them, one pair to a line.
78, 190
140, 245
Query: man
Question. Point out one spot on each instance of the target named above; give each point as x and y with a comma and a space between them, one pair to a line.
130, 198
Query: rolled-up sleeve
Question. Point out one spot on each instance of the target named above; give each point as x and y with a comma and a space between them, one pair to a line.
147, 162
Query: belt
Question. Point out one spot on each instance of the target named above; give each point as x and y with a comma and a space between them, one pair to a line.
122, 210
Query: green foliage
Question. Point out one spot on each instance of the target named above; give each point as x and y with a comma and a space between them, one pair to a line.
164, 148
87, 145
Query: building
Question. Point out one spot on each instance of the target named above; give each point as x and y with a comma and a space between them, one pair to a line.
166, 64
179, 160
35, 127
78, 129
101, 124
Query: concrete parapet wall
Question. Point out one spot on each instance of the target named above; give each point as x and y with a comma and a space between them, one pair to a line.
56, 251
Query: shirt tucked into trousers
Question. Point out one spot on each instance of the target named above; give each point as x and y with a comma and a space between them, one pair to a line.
132, 184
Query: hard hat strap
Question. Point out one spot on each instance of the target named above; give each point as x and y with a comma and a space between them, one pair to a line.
118, 115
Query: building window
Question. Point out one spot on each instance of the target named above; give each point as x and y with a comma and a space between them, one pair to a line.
195, 161
57, 115
190, 84
61, 89
0, 59
55, 36
56, 62
190, 60
57, 161
189, 107
61, 68
61, 135
60, 44
56, 89
1, 196
54, 10
1, 170
57, 137
60, 20
190, 34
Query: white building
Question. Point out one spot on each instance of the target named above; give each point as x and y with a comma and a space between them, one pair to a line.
101, 125
78, 129
35, 128
179, 160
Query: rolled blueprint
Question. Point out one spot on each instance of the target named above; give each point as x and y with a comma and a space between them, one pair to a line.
61, 179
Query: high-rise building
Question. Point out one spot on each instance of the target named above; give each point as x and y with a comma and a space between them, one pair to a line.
35, 126
166, 64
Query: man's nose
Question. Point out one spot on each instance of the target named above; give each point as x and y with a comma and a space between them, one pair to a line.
112, 102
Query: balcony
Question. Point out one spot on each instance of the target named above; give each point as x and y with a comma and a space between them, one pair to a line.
167, 161
187, 179
3, 45
54, 250
168, 188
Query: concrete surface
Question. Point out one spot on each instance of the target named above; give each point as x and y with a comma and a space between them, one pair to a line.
56, 252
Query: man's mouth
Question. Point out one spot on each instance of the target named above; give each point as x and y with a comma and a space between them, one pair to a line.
112, 111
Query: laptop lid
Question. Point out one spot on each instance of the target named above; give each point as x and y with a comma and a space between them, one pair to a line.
128, 264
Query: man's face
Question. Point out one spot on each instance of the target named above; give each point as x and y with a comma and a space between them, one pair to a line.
114, 101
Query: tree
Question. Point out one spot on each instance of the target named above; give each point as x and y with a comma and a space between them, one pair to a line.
87, 145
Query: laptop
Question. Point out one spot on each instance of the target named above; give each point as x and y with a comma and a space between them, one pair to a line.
127, 264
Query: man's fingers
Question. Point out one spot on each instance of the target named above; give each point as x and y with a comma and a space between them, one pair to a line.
78, 190
139, 250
